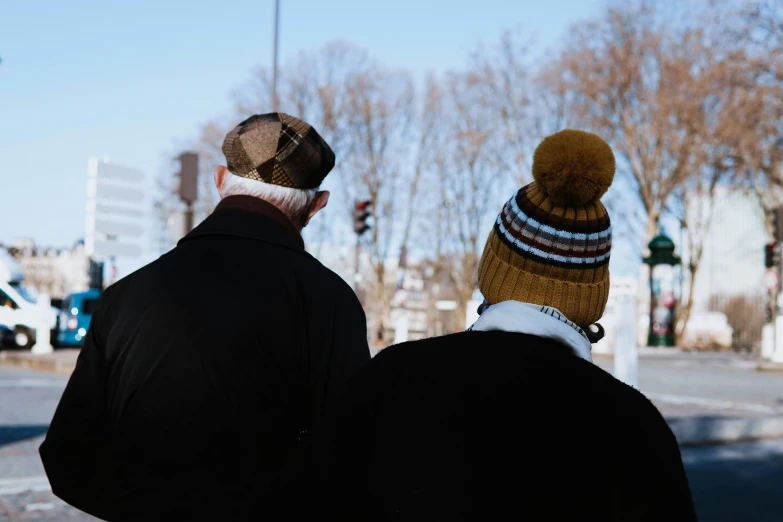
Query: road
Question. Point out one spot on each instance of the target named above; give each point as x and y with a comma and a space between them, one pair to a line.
737, 482
682, 384
27, 402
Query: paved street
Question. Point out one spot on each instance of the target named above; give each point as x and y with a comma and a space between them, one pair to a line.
730, 483
680, 384
739, 482
27, 403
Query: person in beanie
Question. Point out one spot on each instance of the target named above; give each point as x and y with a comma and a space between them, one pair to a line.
202, 371
511, 420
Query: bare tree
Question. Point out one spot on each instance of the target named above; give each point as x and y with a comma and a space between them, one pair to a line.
378, 165
469, 179
499, 82
760, 68
721, 127
635, 78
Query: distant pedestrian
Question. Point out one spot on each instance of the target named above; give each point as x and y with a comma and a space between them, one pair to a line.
511, 420
201, 371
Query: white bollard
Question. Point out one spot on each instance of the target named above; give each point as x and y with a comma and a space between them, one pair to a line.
42, 333
626, 352
401, 327
777, 354
767, 341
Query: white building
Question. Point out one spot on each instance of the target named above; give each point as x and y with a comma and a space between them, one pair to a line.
731, 269
732, 262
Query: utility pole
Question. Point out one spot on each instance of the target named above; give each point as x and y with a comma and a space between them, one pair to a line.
188, 185
275, 102
361, 211
774, 265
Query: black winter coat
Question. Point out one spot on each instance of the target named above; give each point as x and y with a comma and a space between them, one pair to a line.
201, 370
481, 426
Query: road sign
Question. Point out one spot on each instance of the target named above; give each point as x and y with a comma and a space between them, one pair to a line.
117, 211
446, 305
771, 279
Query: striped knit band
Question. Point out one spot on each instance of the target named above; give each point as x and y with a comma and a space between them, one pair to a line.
552, 238
543, 254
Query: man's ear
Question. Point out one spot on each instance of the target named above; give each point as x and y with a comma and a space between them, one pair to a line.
220, 178
320, 201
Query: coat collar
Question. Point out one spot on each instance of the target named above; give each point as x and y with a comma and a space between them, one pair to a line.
250, 217
537, 320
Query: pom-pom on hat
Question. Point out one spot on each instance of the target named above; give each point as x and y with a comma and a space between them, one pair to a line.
550, 245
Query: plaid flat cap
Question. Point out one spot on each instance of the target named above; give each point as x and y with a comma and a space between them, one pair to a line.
279, 149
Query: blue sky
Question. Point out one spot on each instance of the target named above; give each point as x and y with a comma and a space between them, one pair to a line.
134, 80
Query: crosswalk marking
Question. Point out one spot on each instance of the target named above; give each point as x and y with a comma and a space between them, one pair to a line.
32, 383
15, 486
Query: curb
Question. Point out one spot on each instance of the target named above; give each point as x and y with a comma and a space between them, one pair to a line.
769, 367
37, 362
704, 430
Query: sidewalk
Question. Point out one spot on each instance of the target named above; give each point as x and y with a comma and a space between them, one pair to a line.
59, 361
767, 366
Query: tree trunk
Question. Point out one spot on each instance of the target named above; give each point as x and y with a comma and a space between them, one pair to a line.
682, 325
382, 306
650, 231
643, 291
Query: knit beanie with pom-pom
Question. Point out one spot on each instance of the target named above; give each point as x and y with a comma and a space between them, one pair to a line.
550, 244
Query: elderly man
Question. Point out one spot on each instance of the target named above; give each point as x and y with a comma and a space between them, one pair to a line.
202, 371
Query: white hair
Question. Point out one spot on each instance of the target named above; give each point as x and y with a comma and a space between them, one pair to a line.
292, 201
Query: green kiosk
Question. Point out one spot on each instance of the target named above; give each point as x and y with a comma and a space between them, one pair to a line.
663, 300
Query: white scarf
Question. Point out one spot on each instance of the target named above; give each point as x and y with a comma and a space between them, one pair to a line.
532, 319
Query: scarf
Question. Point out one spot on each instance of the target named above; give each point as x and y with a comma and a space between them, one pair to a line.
532, 319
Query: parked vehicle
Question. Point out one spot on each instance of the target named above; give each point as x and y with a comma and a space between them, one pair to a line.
708, 331
18, 308
75, 316
6, 337
20, 312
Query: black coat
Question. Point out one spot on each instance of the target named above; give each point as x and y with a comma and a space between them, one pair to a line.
199, 372
495, 426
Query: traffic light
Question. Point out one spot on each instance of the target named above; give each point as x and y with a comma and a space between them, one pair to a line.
361, 211
188, 177
96, 274
771, 255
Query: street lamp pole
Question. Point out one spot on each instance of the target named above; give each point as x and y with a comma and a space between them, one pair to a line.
274, 59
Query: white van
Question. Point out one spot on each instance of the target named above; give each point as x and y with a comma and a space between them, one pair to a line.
18, 308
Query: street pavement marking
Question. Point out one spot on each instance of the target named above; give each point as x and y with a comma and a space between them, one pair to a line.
32, 383
14, 486
39, 506
713, 403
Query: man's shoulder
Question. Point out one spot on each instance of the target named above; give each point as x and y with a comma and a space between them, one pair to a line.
322, 277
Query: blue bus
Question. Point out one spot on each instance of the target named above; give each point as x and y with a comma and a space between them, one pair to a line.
75, 315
